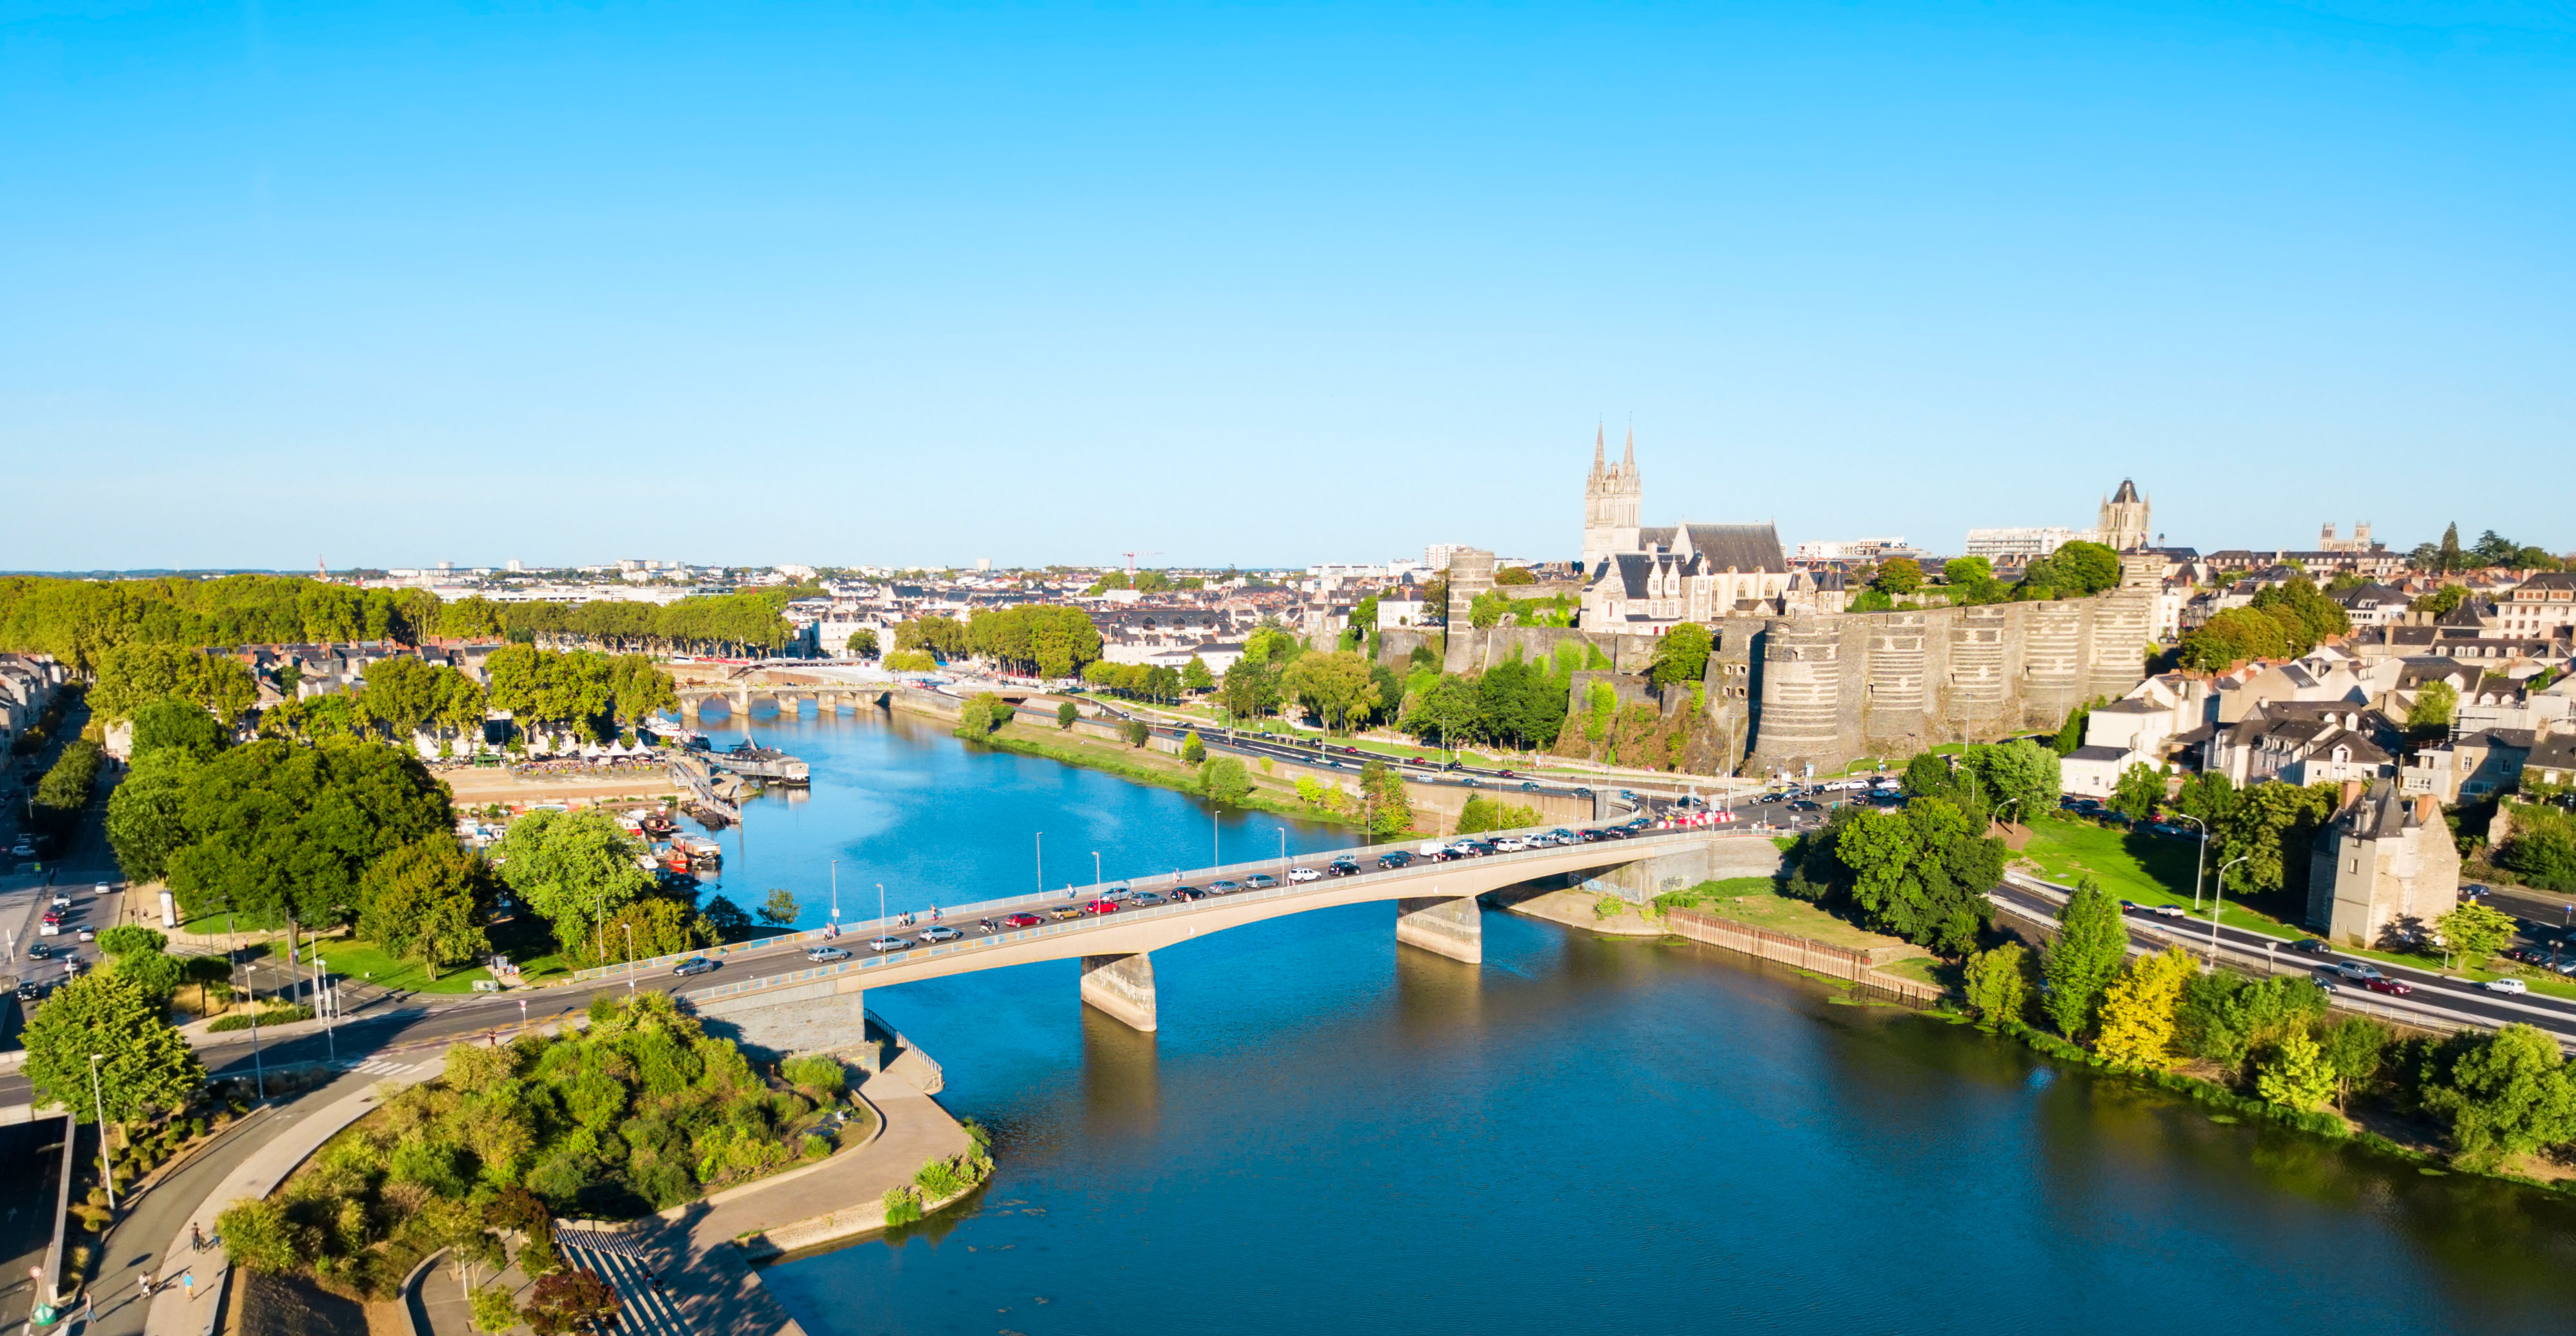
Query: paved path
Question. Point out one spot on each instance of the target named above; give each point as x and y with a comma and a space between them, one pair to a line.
278, 1148
916, 1130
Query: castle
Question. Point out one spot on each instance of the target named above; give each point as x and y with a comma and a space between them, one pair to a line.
1792, 688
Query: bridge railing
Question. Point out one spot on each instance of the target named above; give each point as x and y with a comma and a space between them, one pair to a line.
1088, 923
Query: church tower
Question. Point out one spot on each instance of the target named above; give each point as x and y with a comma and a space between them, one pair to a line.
2124, 519
1610, 500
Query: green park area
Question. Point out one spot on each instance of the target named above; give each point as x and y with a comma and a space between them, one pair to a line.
1757, 902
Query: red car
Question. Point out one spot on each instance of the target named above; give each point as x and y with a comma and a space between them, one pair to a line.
2392, 987
1101, 907
1022, 920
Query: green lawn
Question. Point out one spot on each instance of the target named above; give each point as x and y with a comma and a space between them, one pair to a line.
1751, 900
366, 962
2133, 866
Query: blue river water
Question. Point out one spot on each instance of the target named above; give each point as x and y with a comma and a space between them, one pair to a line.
1329, 1134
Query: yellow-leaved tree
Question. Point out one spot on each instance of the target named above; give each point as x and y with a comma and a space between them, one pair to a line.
2141, 1010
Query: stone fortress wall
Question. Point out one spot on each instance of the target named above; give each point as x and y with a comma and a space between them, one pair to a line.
1832, 688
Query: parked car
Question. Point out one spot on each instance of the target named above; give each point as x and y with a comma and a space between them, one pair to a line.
1261, 881
1304, 874
1142, 898
940, 932
693, 965
1023, 919
2392, 987
824, 955
885, 944
2513, 986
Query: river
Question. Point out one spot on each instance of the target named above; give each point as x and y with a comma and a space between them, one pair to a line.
1329, 1134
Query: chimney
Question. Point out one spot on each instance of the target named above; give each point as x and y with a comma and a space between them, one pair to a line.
2351, 794
2428, 809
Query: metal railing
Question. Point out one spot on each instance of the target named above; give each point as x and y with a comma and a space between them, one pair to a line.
1088, 923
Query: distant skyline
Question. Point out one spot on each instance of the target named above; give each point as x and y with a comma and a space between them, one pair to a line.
1273, 285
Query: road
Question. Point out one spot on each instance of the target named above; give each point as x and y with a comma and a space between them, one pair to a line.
2432, 991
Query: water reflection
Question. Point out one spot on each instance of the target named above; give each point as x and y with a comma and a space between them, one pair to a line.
1122, 1091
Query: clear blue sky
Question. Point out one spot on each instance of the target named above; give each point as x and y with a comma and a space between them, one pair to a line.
392, 283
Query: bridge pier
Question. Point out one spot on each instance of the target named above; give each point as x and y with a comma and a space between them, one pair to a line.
1442, 925
1122, 987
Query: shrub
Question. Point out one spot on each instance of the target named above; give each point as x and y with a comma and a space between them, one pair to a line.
267, 1016
902, 1206
819, 1073
493, 1310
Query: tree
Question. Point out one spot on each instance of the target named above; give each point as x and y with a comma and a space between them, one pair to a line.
911, 661
2441, 602
1193, 751
2084, 568
1970, 581
427, 901
2542, 847
2070, 735
1251, 688
2353, 1047
1384, 803
1195, 675
862, 644
2140, 788
2502, 1094
2021, 773
2140, 1010
1922, 873
495, 1311
2232, 636
144, 822
276, 830
2226, 1016
148, 1067
2475, 932
1899, 577
571, 1301
2308, 616
1999, 984
2208, 796
1681, 654
984, 716
780, 909
655, 925
2437, 705
1137, 733
1065, 714
2297, 1076
1224, 780
133, 676
1335, 687
726, 919
185, 725
1444, 713
571, 869
2092, 942
2272, 826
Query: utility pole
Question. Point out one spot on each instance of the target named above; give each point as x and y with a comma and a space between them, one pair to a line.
98, 1101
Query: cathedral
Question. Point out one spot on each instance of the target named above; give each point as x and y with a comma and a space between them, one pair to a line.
1639, 580
2124, 519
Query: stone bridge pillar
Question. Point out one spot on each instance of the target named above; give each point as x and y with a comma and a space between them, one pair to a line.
1122, 986
1443, 925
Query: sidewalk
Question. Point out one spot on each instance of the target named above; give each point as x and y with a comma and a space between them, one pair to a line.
173, 1312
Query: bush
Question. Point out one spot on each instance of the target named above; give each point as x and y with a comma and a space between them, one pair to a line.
818, 1073
902, 1206
493, 1310
267, 1016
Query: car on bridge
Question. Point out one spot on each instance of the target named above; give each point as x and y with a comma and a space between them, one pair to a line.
1342, 867
1510, 844
1023, 919
1142, 898
2358, 971
824, 955
1304, 874
940, 932
2392, 987
1062, 912
1185, 894
1224, 887
2312, 946
1397, 859
1120, 893
1101, 906
885, 944
1261, 881
693, 965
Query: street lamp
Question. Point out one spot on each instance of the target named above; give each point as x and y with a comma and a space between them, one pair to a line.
630, 958
2217, 894
2201, 860
1095, 867
1041, 845
881, 909
836, 896
523, 1017
98, 1101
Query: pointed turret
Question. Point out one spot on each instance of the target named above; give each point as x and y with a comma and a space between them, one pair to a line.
1600, 463
1628, 457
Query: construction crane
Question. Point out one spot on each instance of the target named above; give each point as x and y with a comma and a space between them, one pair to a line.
1131, 562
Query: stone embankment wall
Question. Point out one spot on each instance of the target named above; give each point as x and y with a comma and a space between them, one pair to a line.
1681, 869
1800, 952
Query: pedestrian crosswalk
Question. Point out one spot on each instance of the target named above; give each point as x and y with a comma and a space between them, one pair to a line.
644, 1307
378, 1066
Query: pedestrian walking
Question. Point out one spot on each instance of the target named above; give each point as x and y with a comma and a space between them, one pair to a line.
196, 1238
188, 1281
146, 1284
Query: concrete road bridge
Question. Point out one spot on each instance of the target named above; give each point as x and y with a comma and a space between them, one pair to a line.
820, 1008
822, 688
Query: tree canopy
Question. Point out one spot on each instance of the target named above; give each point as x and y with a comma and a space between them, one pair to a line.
571, 869
1921, 873
148, 1067
274, 829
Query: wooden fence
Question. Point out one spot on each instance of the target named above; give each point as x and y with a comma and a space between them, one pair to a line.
1802, 952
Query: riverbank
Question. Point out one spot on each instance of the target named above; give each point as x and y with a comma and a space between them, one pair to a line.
1144, 765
